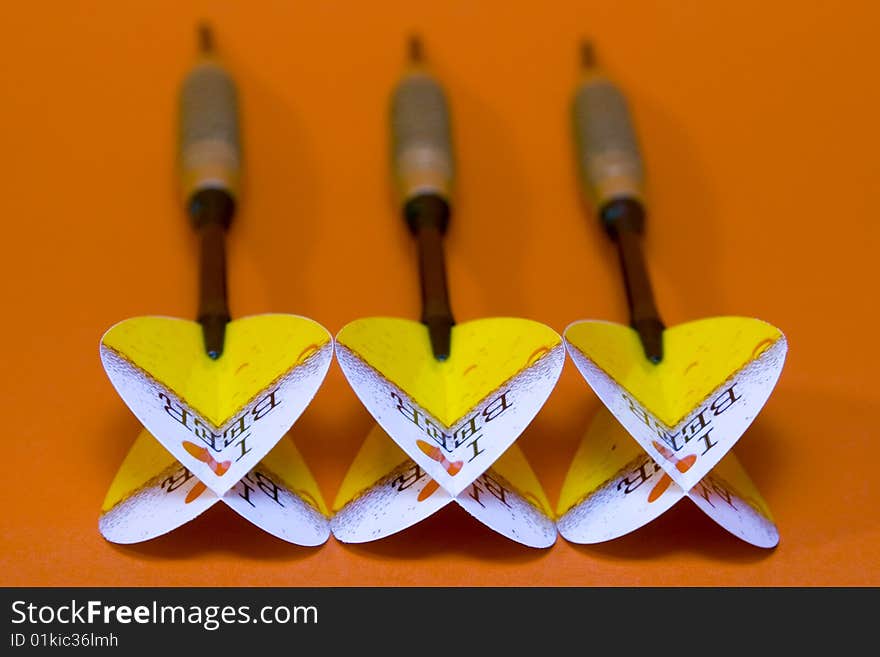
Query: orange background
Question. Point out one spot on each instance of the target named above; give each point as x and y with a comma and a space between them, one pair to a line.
758, 122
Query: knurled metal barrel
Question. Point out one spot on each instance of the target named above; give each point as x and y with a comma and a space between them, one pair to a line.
608, 151
209, 144
421, 148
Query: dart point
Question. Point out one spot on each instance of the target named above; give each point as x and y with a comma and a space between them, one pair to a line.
416, 50
206, 38
588, 54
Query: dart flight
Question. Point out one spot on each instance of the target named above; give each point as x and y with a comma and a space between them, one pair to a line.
715, 376
217, 417
454, 418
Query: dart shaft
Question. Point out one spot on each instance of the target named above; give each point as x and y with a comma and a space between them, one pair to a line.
612, 175
638, 285
423, 169
209, 147
428, 215
212, 210
644, 316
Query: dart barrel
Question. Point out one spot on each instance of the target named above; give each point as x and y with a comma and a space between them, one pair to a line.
421, 143
209, 143
607, 148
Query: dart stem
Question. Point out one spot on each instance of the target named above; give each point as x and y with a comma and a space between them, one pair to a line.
427, 216
625, 218
206, 39
211, 211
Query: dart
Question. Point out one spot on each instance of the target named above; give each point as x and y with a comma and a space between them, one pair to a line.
453, 396
217, 393
686, 393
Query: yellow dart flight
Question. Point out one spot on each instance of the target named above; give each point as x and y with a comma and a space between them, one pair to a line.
217, 393
454, 397
685, 393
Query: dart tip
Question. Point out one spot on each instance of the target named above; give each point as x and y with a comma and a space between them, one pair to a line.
206, 38
214, 335
416, 50
651, 335
588, 54
440, 334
